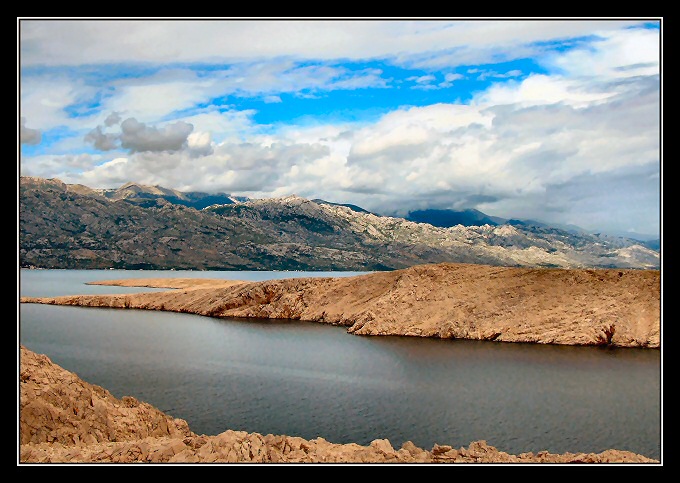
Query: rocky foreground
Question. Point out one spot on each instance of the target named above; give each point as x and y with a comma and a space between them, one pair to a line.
63, 419
613, 307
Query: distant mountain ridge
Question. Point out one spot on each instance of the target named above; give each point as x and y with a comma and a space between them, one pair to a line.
448, 218
142, 194
133, 227
445, 218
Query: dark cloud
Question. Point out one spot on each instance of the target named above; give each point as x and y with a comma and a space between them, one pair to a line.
101, 140
474, 200
621, 197
113, 118
138, 137
28, 135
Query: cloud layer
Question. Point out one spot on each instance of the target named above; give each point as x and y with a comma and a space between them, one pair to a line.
575, 141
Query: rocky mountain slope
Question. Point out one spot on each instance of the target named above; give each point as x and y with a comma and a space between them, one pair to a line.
465, 301
63, 419
72, 226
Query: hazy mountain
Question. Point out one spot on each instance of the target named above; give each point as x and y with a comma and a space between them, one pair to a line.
448, 218
72, 226
652, 244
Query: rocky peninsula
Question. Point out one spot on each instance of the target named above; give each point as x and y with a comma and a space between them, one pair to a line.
615, 307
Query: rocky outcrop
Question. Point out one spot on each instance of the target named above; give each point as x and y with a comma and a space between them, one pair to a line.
63, 419
548, 306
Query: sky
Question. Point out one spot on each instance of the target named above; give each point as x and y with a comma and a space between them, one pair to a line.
550, 119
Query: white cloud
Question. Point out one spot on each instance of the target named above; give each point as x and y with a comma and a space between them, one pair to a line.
225, 125
151, 101
44, 98
64, 166
625, 53
111, 174
199, 144
175, 93
423, 79
539, 89
69, 42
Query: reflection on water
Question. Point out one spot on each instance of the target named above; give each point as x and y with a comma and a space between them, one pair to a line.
310, 380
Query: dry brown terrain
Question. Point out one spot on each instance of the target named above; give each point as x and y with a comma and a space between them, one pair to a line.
63, 419
548, 306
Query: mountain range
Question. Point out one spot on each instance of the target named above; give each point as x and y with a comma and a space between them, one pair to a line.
150, 227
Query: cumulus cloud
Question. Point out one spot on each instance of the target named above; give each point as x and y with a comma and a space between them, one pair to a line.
101, 140
137, 136
249, 168
28, 135
199, 144
112, 119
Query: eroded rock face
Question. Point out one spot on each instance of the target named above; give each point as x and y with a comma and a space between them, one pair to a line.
63, 419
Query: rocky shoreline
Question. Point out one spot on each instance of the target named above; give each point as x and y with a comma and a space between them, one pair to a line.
63, 419
613, 307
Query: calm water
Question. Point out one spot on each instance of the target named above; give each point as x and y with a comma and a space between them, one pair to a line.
313, 380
